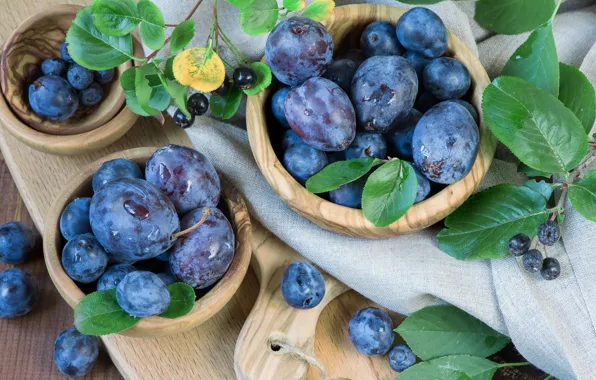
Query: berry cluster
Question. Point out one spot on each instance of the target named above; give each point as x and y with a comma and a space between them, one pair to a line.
532, 259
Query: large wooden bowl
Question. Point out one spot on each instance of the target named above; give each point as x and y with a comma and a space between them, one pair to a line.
35, 39
206, 306
345, 26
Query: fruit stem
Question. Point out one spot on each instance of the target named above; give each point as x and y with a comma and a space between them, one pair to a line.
237, 53
206, 213
514, 364
561, 203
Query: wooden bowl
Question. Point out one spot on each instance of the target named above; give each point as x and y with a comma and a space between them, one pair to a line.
35, 39
205, 307
345, 26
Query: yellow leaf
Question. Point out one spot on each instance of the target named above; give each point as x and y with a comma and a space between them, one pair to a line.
199, 68
319, 10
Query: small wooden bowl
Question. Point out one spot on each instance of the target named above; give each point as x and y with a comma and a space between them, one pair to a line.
35, 39
345, 26
153, 327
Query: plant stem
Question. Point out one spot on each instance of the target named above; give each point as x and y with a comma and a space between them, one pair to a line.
206, 213
561, 203
237, 53
583, 165
548, 378
556, 9
514, 364
592, 144
170, 25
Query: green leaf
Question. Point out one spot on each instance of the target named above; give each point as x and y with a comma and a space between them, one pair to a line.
389, 193
534, 125
127, 81
475, 367
294, 5
482, 226
428, 371
240, 4
182, 35
421, 2
169, 68
152, 26
523, 168
339, 173
542, 187
143, 90
95, 50
319, 10
583, 196
536, 60
159, 99
115, 17
178, 92
577, 93
259, 17
99, 314
182, 300
438, 331
225, 107
263, 78
513, 16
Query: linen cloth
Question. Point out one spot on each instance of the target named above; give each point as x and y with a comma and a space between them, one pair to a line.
550, 322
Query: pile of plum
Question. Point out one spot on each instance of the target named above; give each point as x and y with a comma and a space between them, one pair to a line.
126, 236
397, 97
65, 86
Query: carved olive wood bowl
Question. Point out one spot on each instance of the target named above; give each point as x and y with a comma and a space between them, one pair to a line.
35, 39
345, 26
206, 306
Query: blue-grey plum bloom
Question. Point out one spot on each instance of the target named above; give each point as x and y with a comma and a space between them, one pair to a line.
112, 277
19, 292
378, 38
142, 294
422, 31
302, 286
115, 169
75, 353
84, 259
17, 241
446, 78
75, 218
53, 98
371, 331
303, 161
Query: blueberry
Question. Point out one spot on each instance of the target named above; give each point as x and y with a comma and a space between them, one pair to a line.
290, 139
399, 142
244, 77
53, 66
446, 78
471, 109
549, 232
203, 256
75, 218
142, 294
182, 121
303, 161
367, 145
418, 61
532, 260
354, 55
64, 52
519, 244
75, 353
401, 358
425, 101
551, 269
341, 72
371, 331
112, 277
92, 95
84, 259
104, 76
17, 241
53, 97
185, 175
224, 88
298, 48
350, 194
168, 278
197, 104
422, 31
445, 143
423, 186
277, 106
378, 38
79, 77
302, 286
19, 292
115, 169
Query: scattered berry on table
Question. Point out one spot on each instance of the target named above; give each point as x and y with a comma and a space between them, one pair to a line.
244, 77
224, 88
64, 52
75, 353
53, 66
371, 331
422, 187
302, 285
197, 104
92, 95
551, 269
75, 218
401, 358
112, 277
341, 72
303, 161
419, 62
17, 241
290, 139
549, 232
104, 76
182, 121
53, 97
277, 106
19, 292
399, 140
379, 38
471, 109
422, 31
367, 145
532, 260
446, 78
115, 169
84, 259
142, 294
79, 77
350, 194
519, 244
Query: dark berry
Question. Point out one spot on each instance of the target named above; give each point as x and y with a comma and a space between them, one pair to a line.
79, 77
224, 88
551, 269
244, 77
92, 95
532, 260
197, 104
519, 244
401, 358
182, 121
549, 232
104, 76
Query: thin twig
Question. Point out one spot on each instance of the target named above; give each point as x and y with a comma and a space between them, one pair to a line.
583, 165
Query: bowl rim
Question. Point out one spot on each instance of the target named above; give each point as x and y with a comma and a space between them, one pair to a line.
348, 221
205, 307
73, 144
